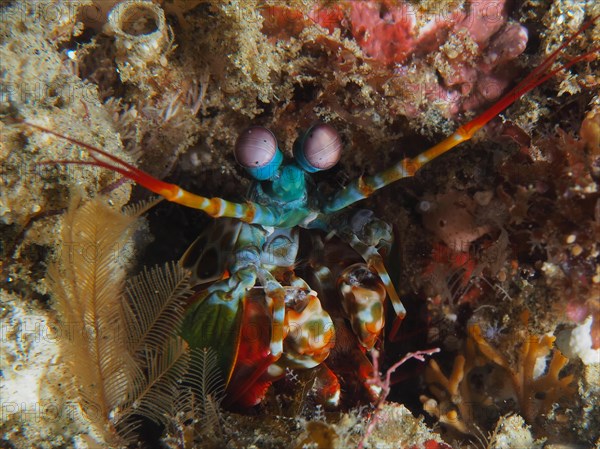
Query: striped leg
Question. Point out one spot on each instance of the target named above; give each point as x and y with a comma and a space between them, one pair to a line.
275, 298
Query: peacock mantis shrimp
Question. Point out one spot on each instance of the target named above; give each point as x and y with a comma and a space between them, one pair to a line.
244, 267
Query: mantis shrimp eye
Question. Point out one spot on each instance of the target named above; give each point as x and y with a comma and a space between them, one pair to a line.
319, 149
256, 150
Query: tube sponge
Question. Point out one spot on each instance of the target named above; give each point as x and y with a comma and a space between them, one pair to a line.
142, 37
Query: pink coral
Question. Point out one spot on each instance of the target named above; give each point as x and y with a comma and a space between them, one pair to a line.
477, 43
385, 33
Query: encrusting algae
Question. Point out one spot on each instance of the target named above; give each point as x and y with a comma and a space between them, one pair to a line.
496, 254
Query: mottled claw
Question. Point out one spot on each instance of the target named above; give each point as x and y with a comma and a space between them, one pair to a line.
363, 297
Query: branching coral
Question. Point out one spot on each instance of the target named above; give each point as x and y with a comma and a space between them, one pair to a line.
458, 397
449, 398
546, 389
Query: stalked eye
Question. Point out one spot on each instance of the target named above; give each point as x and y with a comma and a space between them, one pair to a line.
256, 150
255, 147
320, 148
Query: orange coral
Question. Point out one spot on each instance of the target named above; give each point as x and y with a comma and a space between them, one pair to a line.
535, 395
529, 389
